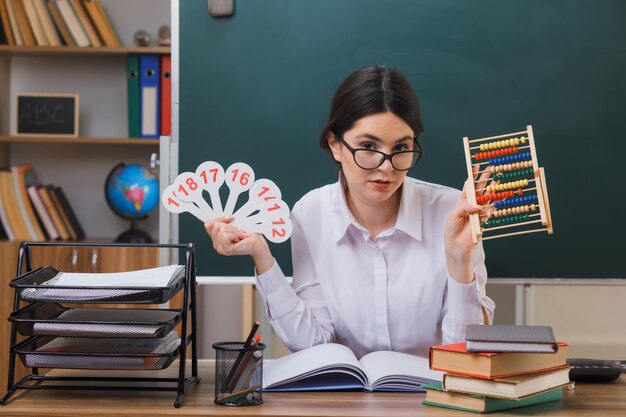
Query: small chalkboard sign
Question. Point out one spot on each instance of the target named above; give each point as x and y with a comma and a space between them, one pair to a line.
47, 115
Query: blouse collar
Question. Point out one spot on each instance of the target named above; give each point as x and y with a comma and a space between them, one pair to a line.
409, 215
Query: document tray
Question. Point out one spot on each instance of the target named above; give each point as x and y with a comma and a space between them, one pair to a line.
37, 286
30, 357
52, 319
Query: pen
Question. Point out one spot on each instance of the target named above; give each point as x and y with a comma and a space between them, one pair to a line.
242, 353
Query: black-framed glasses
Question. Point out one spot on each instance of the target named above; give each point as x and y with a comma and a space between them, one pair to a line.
372, 159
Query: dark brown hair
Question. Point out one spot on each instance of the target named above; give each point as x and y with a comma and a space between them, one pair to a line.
370, 90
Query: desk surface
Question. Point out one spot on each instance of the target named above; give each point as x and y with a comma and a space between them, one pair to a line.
585, 400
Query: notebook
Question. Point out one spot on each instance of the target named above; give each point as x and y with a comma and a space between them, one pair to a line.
509, 338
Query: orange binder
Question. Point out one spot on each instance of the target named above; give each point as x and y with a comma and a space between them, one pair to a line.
166, 95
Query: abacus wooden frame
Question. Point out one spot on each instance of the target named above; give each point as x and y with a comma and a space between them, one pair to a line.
540, 183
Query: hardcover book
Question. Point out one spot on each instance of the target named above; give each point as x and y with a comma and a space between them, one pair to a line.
510, 388
436, 396
456, 359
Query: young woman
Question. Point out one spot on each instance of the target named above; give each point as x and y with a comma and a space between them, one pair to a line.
381, 261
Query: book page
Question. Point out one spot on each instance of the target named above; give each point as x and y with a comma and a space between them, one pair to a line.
152, 277
312, 361
397, 371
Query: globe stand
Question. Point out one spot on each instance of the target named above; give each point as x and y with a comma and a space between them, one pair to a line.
134, 235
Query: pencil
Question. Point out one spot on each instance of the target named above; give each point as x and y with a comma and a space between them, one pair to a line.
242, 353
244, 364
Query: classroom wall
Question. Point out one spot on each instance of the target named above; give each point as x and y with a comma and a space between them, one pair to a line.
547, 103
590, 319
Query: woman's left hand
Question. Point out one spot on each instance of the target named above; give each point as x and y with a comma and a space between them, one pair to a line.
458, 236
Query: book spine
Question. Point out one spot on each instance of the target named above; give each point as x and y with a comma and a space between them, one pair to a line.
46, 22
27, 34
19, 185
62, 214
71, 20
107, 22
15, 27
60, 23
35, 23
85, 22
12, 210
44, 216
98, 21
71, 215
54, 215
4, 219
6, 23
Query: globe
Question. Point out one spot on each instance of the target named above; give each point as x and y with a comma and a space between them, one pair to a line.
132, 191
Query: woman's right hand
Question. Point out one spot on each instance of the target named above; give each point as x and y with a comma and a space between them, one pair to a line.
231, 240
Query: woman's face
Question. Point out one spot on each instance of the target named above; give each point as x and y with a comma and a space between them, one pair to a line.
383, 132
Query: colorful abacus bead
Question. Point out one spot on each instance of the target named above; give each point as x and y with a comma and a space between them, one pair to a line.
511, 158
507, 185
515, 210
502, 143
529, 199
502, 221
519, 173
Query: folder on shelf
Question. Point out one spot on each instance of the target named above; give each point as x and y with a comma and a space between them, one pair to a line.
30, 219
6, 23
166, 95
132, 79
46, 22
149, 66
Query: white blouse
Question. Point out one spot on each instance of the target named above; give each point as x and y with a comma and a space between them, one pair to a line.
392, 293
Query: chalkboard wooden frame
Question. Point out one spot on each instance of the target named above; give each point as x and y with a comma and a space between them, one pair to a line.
72, 132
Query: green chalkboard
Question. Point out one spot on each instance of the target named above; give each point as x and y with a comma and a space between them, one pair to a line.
256, 88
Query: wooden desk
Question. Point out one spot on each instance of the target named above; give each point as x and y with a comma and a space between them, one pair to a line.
585, 400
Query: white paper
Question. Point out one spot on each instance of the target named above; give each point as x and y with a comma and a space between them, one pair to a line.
153, 277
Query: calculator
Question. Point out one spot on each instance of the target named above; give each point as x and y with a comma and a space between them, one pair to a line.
595, 370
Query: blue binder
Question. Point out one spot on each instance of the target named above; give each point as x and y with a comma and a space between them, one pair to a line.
149, 66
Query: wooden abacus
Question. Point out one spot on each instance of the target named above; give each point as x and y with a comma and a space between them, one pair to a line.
516, 187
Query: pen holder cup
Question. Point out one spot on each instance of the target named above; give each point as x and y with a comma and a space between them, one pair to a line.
238, 373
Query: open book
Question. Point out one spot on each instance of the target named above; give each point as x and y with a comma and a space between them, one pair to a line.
332, 366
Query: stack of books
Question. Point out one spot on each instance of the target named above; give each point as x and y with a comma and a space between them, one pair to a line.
34, 212
510, 368
56, 23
